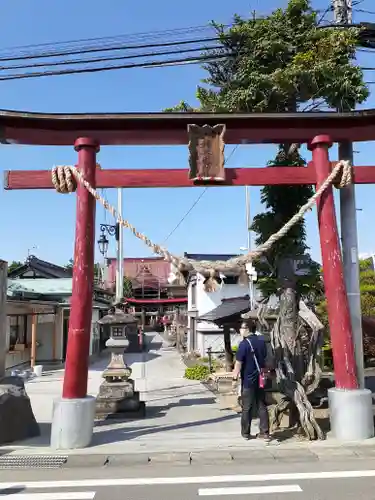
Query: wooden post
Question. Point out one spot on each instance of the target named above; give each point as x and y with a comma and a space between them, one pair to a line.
228, 349
54, 335
34, 321
77, 357
3, 314
337, 301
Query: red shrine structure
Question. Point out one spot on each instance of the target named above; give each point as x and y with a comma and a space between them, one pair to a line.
88, 132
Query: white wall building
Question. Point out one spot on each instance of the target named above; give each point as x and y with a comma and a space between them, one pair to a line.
201, 334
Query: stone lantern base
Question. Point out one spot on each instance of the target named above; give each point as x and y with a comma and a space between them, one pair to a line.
117, 398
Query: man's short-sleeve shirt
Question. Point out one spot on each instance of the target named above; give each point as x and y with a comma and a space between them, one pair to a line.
249, 370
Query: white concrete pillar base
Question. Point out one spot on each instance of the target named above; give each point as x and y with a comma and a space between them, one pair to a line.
351, 414
72, 423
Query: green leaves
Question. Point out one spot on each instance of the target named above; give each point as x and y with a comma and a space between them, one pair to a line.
284, 62
128, 288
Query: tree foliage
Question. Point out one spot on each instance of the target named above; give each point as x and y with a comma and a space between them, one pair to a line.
128, 288
15, 264
367, 291
281, 63
277, 63
97, 270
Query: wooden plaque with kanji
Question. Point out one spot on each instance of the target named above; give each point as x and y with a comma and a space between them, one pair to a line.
206, 153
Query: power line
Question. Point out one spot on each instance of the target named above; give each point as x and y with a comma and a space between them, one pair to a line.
186, 214
44, 55
198, 199
364, 11
111, 39
109, 58
169, 62
147, 64
325, 12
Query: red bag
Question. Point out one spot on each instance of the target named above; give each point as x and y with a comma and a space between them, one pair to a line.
262, 373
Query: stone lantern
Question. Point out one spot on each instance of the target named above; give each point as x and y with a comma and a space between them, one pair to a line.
117, 397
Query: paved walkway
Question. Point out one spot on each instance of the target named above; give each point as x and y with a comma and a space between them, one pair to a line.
183, 421
181, 414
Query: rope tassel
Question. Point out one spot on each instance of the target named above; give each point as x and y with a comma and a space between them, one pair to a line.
243, 278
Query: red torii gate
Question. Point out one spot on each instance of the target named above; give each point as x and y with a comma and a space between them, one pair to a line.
73, 418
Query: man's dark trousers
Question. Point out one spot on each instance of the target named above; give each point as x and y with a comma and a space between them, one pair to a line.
254, 397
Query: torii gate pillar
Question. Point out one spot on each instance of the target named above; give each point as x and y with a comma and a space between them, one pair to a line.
73, 414
351, 413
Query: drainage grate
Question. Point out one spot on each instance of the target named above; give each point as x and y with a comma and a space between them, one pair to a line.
32, 461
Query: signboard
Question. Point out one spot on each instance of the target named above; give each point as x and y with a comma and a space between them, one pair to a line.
295, 266
46, 318
206, 153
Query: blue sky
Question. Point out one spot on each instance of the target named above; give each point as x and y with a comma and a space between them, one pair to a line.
45, 219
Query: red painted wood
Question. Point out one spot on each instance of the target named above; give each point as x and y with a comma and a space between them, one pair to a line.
171, 128
181, 300
76, 365
157, 178
337, 301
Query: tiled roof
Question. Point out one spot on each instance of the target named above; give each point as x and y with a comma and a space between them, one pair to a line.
228, 308
47, 269
209, 256
41, 286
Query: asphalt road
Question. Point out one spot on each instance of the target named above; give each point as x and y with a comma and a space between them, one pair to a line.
342, 480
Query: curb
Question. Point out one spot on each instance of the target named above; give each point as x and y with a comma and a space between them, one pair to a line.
268, 455
224, 457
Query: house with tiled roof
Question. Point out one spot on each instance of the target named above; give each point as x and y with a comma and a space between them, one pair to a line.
37, 268
38, 311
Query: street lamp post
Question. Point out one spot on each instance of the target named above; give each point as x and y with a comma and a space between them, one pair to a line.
103, 243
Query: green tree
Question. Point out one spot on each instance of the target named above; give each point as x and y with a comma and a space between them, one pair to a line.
15, 264
97, 270
128, 287
367, 290
70, 264
284, 62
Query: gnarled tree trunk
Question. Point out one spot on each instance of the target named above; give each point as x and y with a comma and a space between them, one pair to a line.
298, 373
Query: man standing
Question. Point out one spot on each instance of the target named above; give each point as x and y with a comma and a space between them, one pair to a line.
251, 366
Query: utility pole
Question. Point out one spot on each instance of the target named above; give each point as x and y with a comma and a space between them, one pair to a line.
248, 218
249, 267
3, 314
343, 11
120, 256
348, 214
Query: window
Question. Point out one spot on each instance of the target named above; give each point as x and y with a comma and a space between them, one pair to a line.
117, 331
17, 331
193, 295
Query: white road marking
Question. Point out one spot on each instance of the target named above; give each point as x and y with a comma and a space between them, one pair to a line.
250, 490
149, 481
68, 495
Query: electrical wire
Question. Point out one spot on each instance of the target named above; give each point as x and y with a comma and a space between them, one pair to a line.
186, 214
198, 199
110, 39
46, 55
365, 11
121, 47
108, 58
321, 19
146, 64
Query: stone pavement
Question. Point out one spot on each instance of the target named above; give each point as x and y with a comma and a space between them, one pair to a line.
184, 423
180, 413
